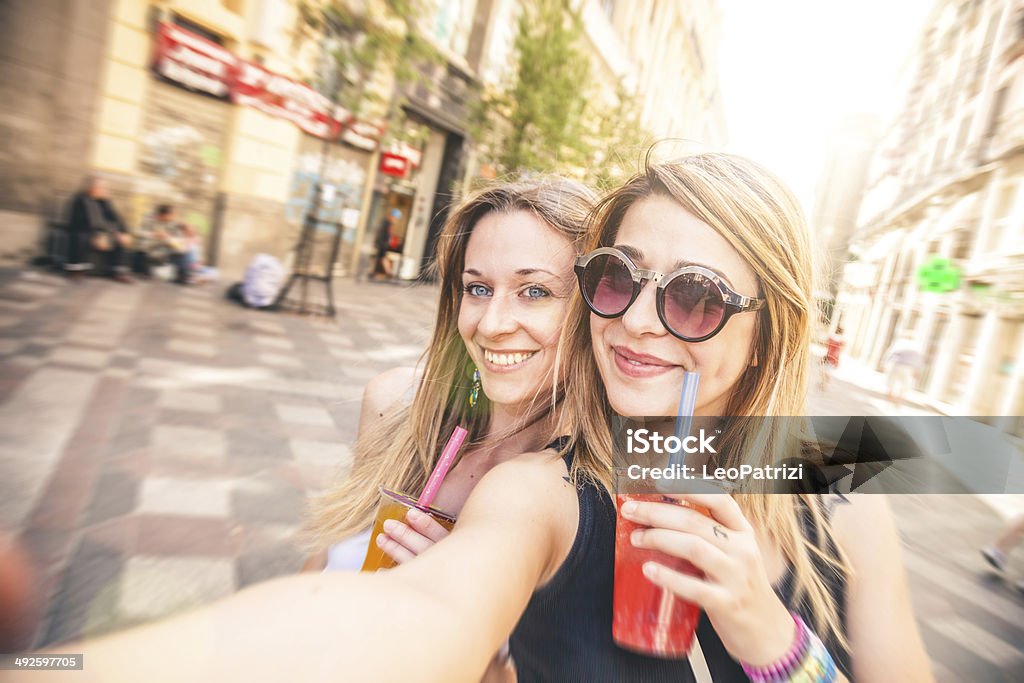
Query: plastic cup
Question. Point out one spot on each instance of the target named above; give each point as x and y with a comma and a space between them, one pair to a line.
394, 505
645, 617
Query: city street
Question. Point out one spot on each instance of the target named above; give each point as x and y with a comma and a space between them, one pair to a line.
157, 444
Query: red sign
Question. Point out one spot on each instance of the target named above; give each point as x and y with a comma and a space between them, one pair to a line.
199, 64
362, 135
394, 165
194, 62
285, 98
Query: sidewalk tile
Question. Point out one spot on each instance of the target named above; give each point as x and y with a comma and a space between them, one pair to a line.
191, 400
321, 452
200, 498
305, 415
154, 587
189, 442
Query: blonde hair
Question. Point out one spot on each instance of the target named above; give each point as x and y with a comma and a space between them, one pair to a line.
401, 448
762, 221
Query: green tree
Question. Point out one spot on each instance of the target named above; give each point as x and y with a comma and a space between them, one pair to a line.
365, 44
619, 141
536, 125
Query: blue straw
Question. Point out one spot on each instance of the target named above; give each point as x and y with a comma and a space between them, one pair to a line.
687, 404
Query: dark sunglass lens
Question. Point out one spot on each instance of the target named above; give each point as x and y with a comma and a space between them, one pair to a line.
693, 305
607, 284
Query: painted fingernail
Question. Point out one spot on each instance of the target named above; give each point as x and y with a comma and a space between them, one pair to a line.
414, 515
629, 508
650, 570
381, 540
389, 526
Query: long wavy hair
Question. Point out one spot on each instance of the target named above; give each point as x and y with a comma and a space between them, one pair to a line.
761, 219
400, 449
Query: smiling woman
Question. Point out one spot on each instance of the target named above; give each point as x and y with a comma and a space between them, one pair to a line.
505, 266
517, 278
625, 350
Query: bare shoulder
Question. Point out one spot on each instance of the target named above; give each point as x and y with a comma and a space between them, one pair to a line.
529, 494
854, 509
889, 648
385, 390
390, 386
543, 468
530, 472
864, 526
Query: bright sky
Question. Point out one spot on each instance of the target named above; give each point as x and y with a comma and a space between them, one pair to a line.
791, 70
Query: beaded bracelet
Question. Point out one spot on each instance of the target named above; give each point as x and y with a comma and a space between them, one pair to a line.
808, 661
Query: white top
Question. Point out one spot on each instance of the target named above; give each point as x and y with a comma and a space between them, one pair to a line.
348, 555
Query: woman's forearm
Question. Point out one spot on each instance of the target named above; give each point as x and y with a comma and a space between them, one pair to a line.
441, 617
306, 628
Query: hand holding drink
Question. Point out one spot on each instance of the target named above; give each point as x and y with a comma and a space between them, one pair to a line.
648, 618
730, 584
678, 554
396, 505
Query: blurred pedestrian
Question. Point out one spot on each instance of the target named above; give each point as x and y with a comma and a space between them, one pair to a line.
1009, 538
903, 361
386, 235
192, 254
96, 227
833, 346
163, 239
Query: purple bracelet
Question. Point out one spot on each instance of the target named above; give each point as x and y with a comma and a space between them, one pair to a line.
780, 670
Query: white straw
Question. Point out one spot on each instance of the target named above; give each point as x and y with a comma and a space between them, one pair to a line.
687, 404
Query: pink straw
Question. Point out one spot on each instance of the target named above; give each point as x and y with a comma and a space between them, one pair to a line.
451, 449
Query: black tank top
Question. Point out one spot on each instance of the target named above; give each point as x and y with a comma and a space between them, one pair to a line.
565, 633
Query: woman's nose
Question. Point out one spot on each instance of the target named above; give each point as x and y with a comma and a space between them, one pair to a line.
498, 318
642, 317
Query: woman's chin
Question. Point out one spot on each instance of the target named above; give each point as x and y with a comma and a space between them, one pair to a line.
513, 399
641, 406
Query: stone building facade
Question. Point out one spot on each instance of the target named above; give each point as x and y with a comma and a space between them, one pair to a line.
50, 73
947, 181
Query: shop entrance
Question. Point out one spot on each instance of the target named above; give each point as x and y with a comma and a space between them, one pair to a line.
181, 157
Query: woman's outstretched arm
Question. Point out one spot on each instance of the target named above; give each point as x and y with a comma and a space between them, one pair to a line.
441, 617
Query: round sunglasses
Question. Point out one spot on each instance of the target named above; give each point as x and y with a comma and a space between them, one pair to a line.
693, 302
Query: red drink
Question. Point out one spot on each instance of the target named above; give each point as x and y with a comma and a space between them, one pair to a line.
645, 617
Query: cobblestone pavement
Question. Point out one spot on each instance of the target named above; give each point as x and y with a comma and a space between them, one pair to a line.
157, 444
971, 619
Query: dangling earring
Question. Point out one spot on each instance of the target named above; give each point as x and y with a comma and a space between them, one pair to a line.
474, 390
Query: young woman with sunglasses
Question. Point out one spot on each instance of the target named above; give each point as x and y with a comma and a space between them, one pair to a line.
789, 587
705, 265
505, 266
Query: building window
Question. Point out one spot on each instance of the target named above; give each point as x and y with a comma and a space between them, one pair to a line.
1009, 196
198, 30
997, 111
912, 322
452, 23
